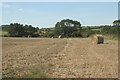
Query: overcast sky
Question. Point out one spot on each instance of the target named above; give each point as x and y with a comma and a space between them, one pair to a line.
46, 14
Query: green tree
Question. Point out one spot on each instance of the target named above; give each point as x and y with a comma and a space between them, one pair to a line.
66, 27
116, 22
18, 30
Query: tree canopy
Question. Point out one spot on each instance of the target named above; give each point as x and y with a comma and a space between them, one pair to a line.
67, 23
116, 23
68, 28
19, 30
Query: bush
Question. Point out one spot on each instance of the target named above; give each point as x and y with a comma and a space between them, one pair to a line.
87, 32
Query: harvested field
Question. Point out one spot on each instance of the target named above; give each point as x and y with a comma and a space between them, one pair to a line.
59, 58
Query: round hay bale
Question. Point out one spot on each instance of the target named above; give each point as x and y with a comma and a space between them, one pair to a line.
98, 39
52, 37
60, 36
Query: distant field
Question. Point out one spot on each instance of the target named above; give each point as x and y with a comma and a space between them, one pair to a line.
96, 29
3, 33
59, 58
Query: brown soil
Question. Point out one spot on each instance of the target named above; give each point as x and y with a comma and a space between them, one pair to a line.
59, 58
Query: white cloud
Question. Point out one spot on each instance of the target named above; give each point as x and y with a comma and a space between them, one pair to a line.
20, 9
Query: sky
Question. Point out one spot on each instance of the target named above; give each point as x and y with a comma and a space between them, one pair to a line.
59, 0
47, 14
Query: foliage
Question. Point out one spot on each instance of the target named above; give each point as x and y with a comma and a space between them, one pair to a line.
109, 29
87, 32
116, 22
67, 28
18, 30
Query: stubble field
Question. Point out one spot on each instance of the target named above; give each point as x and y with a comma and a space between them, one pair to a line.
59, 58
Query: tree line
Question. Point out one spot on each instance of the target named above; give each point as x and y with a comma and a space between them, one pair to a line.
20, 30
65, 28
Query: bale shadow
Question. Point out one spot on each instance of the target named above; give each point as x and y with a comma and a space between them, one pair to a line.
108, 43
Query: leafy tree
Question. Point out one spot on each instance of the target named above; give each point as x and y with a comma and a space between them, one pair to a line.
18, 30
50, 34
116, 23
66, 27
